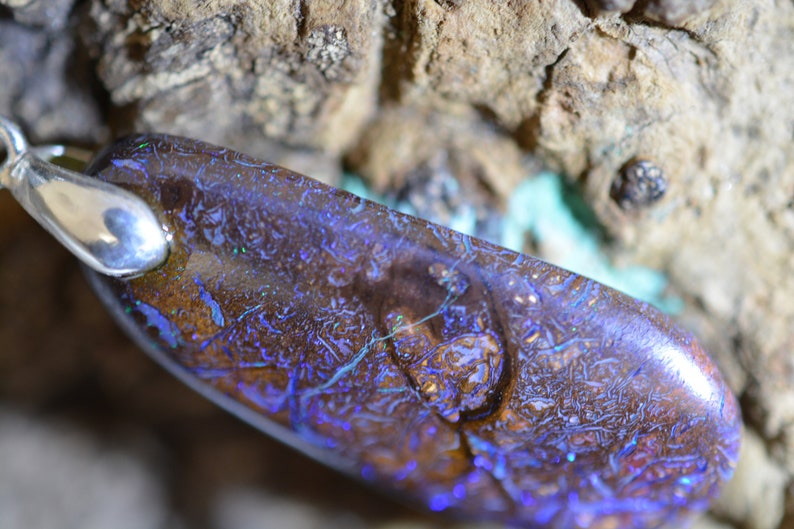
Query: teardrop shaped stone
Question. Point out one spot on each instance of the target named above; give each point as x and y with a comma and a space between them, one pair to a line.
444, 369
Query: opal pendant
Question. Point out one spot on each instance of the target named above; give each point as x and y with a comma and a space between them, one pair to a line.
445, 370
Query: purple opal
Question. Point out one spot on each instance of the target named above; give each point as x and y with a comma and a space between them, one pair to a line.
446, 370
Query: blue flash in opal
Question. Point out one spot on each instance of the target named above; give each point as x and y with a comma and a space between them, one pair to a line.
206, 297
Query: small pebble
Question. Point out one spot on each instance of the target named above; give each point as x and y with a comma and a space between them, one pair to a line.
639, 184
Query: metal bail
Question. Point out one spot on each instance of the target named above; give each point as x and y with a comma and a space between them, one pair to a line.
108, 228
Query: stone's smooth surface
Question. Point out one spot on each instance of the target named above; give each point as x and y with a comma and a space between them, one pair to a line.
447, 370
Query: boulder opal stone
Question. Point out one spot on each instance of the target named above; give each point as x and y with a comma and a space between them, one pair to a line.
446, 370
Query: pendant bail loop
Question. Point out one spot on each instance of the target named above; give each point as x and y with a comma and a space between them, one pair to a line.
108, 228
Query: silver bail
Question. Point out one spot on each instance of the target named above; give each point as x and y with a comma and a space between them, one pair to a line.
108, 228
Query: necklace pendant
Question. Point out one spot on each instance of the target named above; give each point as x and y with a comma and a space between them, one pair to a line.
446, 370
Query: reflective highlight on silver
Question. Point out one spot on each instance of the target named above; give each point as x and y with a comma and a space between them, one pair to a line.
109, 229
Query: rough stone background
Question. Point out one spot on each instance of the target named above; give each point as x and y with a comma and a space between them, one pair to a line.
91, 430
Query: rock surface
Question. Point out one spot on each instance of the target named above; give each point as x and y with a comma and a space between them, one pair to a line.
703, 90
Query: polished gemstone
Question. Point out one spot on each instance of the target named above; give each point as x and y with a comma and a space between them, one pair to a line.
449, 371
